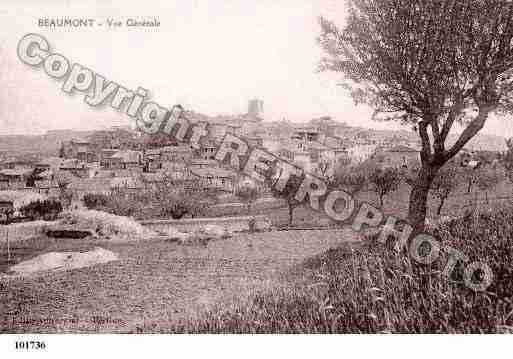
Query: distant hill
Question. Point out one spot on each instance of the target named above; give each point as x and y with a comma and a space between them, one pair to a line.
483, 142
49, 143
46, 145
480, 142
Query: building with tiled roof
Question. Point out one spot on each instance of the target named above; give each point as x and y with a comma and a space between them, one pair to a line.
215, 178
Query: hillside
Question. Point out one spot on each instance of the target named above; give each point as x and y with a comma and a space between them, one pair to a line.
47, 144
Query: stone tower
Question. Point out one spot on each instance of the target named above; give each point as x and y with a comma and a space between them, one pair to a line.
256, 108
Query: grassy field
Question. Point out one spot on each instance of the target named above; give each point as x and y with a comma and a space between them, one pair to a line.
396, 204
274, 282
373, 289
155, 285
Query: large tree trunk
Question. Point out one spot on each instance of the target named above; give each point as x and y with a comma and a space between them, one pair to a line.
418, 197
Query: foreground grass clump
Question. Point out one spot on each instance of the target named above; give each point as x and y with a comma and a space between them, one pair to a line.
376, 290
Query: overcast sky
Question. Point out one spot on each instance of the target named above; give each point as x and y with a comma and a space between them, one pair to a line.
212, 57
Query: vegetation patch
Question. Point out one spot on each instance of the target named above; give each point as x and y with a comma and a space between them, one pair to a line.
374, 289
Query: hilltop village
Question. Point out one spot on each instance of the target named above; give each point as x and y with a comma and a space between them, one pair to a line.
124, 157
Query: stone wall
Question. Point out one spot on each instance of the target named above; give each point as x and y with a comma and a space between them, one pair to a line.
231, 224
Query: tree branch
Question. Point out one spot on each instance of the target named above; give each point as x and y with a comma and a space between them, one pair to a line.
451, 117
470, 131
425, 153
438, 144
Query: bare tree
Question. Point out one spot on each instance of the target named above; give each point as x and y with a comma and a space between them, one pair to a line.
289, 191
506, 159
427, 64
247, 192
487, 177
384, 181
323, 168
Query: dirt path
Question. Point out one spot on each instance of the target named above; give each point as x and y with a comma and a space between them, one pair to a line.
156, 282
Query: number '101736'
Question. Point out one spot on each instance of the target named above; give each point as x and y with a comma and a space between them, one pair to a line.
30, 345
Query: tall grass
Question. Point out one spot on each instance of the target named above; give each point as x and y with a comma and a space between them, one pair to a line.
373, 289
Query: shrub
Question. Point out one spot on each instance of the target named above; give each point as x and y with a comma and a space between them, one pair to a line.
47, 209
95, 200
179, 203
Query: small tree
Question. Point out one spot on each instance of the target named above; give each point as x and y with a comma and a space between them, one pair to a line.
444, 184
323, 168
289, 191
247, 192
506, 159
384, 181
62, 151
486, 179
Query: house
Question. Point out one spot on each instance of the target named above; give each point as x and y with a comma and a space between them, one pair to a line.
218, 128
324, 159
215, 178
106, 161
202, 163
208, 149
166, 157
128, 159
328, 126
49, 163
254, 141
14, 179
120, 159
17, 164
47, 187
131, 183
76, 167
179, 153
306, 134
102, 173
80, 149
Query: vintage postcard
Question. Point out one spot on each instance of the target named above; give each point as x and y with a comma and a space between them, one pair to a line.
246, 167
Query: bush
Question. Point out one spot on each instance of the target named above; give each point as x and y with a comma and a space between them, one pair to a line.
179, 203
171, 200
95, 200
47, 209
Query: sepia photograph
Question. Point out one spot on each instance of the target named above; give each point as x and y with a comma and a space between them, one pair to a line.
255, 167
